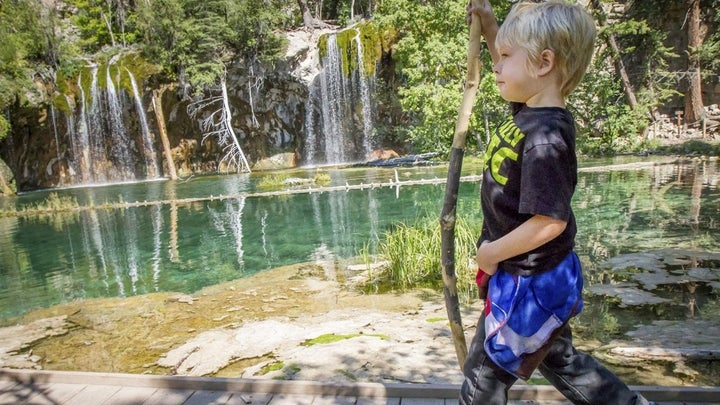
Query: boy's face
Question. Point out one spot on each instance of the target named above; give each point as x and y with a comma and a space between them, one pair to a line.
512, 75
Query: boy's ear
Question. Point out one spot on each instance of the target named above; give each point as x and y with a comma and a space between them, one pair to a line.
547, 62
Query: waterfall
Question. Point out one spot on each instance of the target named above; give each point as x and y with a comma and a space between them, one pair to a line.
119, 141
95, 132
55, 131
82, 151
334, 90
366, 84
311, 139
104, 147
150, 155
70, 126
342, 99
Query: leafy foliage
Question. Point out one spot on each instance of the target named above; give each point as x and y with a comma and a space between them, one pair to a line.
429, 51
22, 48
710, 49
194, 39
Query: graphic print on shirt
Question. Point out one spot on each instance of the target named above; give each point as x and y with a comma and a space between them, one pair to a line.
502, 147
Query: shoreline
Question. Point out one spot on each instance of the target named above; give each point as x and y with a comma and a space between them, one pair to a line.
293, 323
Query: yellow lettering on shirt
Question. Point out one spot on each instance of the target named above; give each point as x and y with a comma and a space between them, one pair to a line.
500, 148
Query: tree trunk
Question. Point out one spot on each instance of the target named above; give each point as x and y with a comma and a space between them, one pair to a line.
694, 111
308, 19
157, 106
617, 59
447, 217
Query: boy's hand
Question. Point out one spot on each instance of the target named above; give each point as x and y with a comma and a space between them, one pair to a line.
488, 24
487, 266
484, 11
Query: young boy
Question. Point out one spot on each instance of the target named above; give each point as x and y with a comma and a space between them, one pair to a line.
525, 249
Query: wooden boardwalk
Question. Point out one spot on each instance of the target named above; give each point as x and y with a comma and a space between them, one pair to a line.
80, 388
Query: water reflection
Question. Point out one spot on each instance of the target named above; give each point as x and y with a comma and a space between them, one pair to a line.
183, 246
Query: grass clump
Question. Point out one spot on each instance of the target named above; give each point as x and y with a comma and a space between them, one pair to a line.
273, 181
322, 179
54, 203
414, 255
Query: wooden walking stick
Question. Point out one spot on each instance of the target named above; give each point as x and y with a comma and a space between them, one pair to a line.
447, 217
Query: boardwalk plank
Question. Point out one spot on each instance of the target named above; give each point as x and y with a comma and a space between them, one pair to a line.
289, 399
17, 394
242, 398
422, 401
38, 387
166, 396
131, 396
54, 393
334, 400
93, 394
377, 401
208, 398
6, 385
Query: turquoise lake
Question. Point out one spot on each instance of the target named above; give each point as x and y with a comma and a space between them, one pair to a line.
625, 206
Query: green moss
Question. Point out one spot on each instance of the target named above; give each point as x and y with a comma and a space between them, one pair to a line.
275, 366
370, 41
127, 62
328, 338
331, 338
139, 67
433, 320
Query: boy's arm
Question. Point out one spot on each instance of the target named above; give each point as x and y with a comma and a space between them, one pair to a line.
533, 233
489, 25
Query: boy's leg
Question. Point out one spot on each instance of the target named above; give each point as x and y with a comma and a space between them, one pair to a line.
581, 378
485, 383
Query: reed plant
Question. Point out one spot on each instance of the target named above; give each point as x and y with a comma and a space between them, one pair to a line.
52, 203
413, 251
273, 181
322, 179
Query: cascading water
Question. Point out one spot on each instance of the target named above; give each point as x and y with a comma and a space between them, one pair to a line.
366, 84
124, 161
73, 163
339, 113
334, 90
82, 143
104, 149
150, 155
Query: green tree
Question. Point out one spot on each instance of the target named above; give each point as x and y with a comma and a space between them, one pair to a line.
710, 50
254, 25
94, 24
429, 50
193, 40
22, 49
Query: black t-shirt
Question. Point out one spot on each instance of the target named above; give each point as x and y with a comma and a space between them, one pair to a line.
531, 169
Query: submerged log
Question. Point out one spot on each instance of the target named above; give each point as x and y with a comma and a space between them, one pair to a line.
409, 160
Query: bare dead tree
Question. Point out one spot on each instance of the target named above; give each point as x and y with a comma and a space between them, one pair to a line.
218, 123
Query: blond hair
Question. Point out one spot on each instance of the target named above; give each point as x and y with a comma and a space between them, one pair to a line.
564, 28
